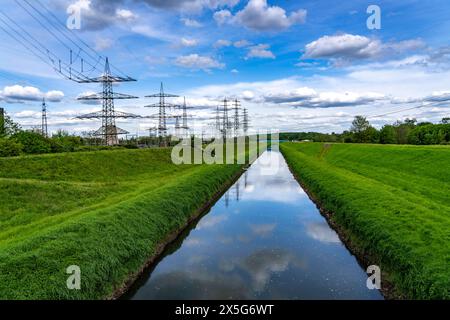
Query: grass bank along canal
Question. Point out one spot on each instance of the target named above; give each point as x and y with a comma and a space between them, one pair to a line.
264, 239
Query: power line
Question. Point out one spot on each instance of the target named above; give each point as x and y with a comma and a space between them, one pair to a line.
53, 34
39, 50
74, 34
89, 58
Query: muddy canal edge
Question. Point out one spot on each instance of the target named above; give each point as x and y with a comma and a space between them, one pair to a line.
364, 258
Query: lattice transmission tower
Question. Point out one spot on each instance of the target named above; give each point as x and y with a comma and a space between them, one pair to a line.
109, 131
245, 122
44, 124
229, 120
184, 118
162, 105
223, 124
236, 118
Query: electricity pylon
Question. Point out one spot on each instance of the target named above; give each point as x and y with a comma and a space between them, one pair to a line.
236, 120
162, 105
108, 115
245, 122
44, 126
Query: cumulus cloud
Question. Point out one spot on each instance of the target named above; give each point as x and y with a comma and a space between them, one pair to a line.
222, 43
295, 95
222, 17
309, 98
242, 44
192, 23
345, 47
258, 15
190, 5
125, 15
189, 42
100, 14
88, 102
260, 51
196, 61
103, 44
54, 96
19, 94
438, 96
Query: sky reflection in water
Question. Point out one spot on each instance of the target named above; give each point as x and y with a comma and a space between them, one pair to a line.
264, 239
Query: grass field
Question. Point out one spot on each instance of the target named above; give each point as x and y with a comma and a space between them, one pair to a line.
104, 211
393, 202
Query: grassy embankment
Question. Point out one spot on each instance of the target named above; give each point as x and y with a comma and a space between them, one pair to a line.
104, 211
392, 202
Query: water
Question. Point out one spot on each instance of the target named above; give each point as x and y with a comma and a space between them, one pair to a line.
264, 239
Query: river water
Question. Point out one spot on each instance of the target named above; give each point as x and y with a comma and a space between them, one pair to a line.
264, 239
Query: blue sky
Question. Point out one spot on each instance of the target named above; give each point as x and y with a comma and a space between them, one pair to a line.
297, 65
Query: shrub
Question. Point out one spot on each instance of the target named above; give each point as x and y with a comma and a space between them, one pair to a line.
65, 143
10, 148
33, 143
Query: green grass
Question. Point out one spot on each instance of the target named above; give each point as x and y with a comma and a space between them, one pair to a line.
104, 211
393, 202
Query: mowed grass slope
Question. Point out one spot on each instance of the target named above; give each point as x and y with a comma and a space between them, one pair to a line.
103, 211
393, 202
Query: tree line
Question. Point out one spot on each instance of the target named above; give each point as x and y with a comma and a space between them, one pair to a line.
14, 141
408, 131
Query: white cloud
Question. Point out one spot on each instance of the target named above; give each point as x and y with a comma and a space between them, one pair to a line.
100, 14
248, 95
54, 96
346, 45
125, 15
222, 17
89, 102
154, 33
19, 93
27, 114
309, 98
192, 6
195, 61
260, 51
222, 43
192, 23
189, 42
294, 95
341, 99
439, 96
103, 44
351, 47
242, 44
258, 15
235, 71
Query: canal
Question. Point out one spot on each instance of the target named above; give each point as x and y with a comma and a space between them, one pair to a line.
264, 239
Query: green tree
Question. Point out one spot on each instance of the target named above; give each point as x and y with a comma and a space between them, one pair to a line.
359, 124
403, 130
10, 148
7, 126
387, 135
363, 132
